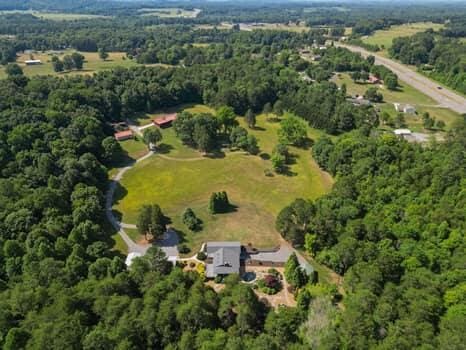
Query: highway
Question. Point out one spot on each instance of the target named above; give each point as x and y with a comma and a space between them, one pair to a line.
444, 97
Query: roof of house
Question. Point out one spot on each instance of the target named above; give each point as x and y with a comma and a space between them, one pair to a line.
225, 258
32, 61
125, 133
164, 119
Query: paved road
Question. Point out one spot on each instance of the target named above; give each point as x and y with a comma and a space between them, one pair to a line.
444, 97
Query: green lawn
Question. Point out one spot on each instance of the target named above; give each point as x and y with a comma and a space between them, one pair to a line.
133, 149
92, 63
385, 37
178, 184
405, 94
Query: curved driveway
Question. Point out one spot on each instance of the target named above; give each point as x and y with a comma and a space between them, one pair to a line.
444, 97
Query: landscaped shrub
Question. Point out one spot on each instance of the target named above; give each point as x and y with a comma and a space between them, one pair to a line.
200, 268
192, 264
270, 284
218, 279
201, 256
183, 249
191, 220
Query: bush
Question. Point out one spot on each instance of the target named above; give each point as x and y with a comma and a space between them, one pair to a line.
218, 279
201, 256
191, 220
183, 249
192, 264
219, 202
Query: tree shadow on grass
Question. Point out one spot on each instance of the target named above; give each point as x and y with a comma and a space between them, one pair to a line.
307, 143
258, 128
120, 193
216, 154
231, 208
164, 148
264, 156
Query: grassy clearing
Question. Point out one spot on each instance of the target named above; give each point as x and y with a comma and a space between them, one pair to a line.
55, 16
133, 149
297, 28
147, 118
92, 63
173, 12
406, 94
178, 184
385, 37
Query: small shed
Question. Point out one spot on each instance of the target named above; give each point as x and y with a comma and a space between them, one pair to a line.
124, 135
32, 62
402, 132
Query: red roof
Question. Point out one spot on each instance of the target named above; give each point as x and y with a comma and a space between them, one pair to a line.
123, 134
165, 119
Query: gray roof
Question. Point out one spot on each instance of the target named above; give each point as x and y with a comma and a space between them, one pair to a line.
225, 258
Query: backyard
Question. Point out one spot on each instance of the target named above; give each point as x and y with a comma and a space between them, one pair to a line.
257, 198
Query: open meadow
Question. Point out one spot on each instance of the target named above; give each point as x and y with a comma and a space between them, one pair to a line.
169, 12
384, 38
55, 16
92, 63
180, 177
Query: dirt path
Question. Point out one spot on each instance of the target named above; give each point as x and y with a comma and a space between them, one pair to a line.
445, 97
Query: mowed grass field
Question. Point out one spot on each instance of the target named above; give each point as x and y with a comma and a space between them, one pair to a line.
183, 181
405, 94
172, 12
92, 63
385, 37
56, 16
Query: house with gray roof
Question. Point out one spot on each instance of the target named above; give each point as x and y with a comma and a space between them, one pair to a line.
223, 258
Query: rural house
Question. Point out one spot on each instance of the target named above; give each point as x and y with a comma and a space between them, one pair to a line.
223, 258
404, 108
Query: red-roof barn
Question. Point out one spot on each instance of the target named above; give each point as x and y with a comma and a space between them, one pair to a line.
165, 121
124, 135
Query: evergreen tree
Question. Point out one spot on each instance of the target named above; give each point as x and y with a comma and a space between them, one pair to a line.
250, 118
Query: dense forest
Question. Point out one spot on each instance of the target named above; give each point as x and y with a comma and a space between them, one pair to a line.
394, 226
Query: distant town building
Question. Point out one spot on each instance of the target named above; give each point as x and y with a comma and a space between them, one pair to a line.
124, 135
404, 108
32, 62
359, 101
165, 121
